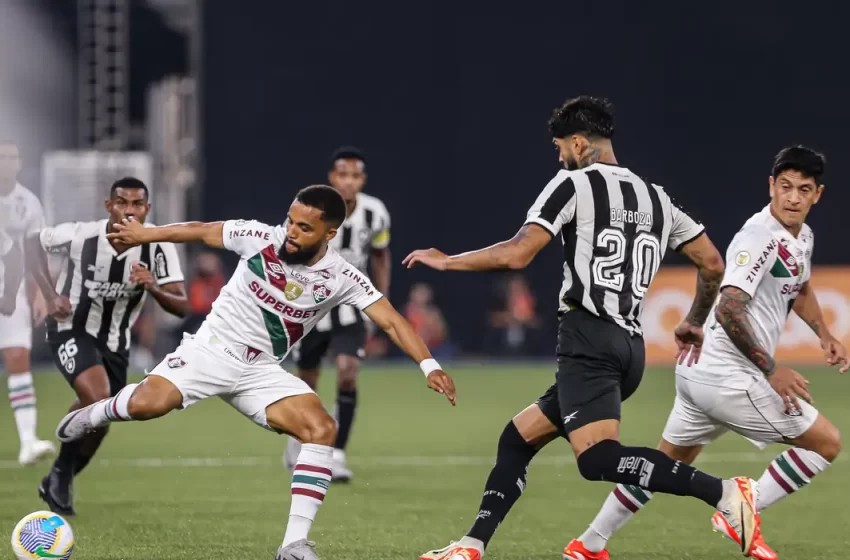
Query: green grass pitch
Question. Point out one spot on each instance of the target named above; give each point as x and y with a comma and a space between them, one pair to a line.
206, 483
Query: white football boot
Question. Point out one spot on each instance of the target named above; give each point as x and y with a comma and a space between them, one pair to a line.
34, 451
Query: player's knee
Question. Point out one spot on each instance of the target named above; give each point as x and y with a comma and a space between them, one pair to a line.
513, 448
831, 446
321, 430
348, 369
146, 403
599, 460
17, 360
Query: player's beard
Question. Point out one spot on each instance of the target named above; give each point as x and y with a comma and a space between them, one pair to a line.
301, 256
571, 163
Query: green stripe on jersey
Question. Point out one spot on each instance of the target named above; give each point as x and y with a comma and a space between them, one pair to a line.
311, 480
779, 269
277, 333
789, 470
255, 265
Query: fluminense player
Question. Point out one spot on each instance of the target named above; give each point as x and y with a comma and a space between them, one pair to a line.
736, 384
287, 280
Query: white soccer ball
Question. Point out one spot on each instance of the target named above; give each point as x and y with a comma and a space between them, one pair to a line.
42, 534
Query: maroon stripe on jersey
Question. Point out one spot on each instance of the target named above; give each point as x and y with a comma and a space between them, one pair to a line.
800, 464
274, 268
295, 330
779, 480
312, 493
627, 503
312, 468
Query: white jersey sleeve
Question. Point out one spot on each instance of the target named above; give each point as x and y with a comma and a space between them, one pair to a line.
807, 272
357, 289
246, 237
683, 228
751, 254
556, 205
35, 219
166, 264
55, 238
381, 229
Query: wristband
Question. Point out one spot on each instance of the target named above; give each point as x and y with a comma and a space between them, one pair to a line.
429, 365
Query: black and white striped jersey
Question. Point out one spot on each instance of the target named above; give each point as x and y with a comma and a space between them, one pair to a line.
615, 229
367, 228
96, 279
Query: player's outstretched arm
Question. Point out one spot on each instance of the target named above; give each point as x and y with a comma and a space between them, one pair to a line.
132, 233
806, 307
383, 314
689, 335
514, 254
58, 306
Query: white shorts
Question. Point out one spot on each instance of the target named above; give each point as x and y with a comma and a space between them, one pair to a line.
202, 366
16, 329
702, 413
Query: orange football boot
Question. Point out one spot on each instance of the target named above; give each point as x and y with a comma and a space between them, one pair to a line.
759, 550
576, 551
452, 552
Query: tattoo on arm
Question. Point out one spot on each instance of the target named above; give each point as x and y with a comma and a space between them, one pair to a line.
732, 316
708, 284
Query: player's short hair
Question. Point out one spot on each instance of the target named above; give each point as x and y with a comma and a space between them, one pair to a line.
326, 199
347, 152
586, 115
128, 183
800, 158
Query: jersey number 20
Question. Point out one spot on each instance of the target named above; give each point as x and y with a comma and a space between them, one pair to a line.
608, 269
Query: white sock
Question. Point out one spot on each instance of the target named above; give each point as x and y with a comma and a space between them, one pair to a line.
22, 400
310, 481
469, 542
619, 507
789, 472
113, 409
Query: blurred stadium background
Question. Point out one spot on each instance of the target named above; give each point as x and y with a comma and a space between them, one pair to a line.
226, 108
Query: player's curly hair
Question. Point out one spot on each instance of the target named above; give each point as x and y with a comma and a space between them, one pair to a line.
326, 199
800, 158
586, 115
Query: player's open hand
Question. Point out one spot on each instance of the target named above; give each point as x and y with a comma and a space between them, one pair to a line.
128, 232
835, 353
790, 385
142, 276
432, 258
689, 339
439, 381
59, 307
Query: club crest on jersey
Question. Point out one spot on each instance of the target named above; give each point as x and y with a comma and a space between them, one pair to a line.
176, 362
293, 290
321, 293
786, 265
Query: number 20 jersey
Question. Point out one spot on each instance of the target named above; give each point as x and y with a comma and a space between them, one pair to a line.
615, 229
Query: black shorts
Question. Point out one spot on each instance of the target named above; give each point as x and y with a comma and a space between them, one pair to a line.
349, 340
600, 365
74, 352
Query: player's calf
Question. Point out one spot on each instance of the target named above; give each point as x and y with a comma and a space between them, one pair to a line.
304, 417
795, 468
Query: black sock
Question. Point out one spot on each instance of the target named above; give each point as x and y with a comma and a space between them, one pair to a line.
88, 446
346, 404
505, 485
649, 469
66, 460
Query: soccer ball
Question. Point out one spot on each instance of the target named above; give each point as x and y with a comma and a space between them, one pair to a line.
42, 534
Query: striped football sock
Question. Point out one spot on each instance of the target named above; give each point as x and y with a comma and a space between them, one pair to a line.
22, 400
619, 507
789, 472
113, 409
310, 481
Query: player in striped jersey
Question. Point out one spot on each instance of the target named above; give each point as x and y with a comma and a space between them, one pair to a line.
363, 240
20, 215
107, 283
736, 385
615, 228
288, 278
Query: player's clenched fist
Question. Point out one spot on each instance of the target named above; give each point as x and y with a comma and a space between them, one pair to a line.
439, 381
